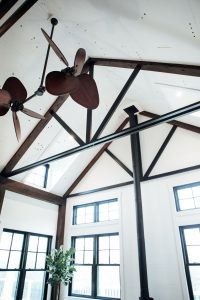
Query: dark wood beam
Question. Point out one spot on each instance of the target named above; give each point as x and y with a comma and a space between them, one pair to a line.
16, 16
119, 162
172, 68
182, 125
60, 225
26, 190
5, 6
117, 102
2, 195
92, 162
89, 113
67, 128
160, 151
34, 134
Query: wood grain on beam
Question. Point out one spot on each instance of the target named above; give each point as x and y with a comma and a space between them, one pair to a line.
60, 225
93, 161
2, 195
182, 125
172, 68
16, 16
5, 6
29, 191
34, 134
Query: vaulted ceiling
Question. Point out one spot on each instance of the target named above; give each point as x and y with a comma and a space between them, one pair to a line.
140, 30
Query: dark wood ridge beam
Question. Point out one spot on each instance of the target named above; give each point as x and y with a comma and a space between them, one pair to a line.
182, 125
34, 134
117, 102
26, 190
160, 151
119, 162
111, 137
5, 6
67, 128
92, 162
16, 16
172, 68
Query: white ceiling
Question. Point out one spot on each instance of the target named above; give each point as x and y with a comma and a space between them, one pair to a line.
155, 30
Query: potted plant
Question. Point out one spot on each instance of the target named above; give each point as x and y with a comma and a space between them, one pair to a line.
60, 267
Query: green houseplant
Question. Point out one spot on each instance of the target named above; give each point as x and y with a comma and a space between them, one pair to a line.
60, 268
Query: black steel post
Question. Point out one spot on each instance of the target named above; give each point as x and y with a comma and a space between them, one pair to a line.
137, 174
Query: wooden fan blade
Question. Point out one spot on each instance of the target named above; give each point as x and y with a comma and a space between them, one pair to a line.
58, 83
55, 48
16, 89
16, 125
87, 95
32, 113
5, 98
79, 61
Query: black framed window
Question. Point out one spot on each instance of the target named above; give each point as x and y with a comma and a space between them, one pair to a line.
38, 176
96, 212
187, 196
97, 262
22, 265
190, 238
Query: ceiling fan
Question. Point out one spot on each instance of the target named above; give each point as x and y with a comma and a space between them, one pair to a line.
81, 86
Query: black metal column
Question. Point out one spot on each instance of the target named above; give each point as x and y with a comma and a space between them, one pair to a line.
137, 172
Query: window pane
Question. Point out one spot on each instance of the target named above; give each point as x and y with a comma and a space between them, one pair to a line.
114, 242
41, 259
31, 258
196, 191
192, 236
103, 216
14, 260
8, 284
194, 254
79, 244
79, 257
89, 243
82, 280
42, 246
34, 285
197, 202
195, 278
5, 242
185, 193
89, 214
3, 259
80, 219
17, 241
113, 215
104, 242
103, 208
114, 257
108, 282
33, 243
88, 259
186, 204
104, 257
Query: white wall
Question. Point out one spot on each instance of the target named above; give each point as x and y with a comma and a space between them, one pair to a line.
28, 214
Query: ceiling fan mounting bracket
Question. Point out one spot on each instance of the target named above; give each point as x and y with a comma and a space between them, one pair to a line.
54, 21
16, 105
40, 91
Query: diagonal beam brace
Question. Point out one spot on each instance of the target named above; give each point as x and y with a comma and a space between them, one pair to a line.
16, 16
119, 162
5, 6
67, 128
117, 102
92, 162
111, 137
160, 151
34, 134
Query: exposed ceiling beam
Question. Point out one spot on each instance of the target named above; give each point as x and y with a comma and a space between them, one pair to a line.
34, 134
111, 137
5, 6
172, 68
2, 195
183, 125
117, 102
26, 190
119, 162
92, 162
26, 5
